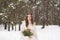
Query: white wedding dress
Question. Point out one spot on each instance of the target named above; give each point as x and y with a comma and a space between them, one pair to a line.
33, 30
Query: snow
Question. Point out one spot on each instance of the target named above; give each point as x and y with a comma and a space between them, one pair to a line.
51, 32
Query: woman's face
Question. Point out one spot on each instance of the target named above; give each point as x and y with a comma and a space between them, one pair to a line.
29, 17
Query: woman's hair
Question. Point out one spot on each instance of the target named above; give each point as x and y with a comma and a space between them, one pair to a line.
26, 20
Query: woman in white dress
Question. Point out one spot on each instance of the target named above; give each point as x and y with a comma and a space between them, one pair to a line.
28, 23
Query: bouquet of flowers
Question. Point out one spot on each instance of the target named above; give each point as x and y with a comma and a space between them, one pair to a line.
27, 32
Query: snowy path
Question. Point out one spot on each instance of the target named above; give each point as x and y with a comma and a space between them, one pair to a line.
49, 33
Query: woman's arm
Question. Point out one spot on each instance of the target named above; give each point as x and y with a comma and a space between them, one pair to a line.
35, 31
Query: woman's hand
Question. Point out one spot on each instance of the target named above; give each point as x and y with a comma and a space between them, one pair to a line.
27, 29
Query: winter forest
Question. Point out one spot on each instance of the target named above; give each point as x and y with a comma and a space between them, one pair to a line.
45, 12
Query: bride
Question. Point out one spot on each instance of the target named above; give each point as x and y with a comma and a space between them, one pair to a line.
28, 23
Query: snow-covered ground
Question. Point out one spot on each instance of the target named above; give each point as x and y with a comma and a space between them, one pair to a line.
51, 32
